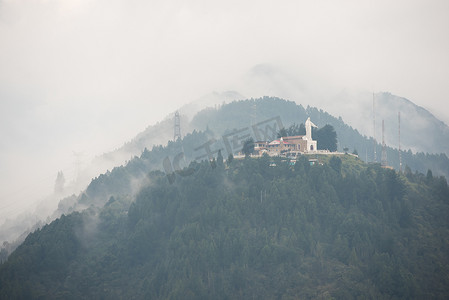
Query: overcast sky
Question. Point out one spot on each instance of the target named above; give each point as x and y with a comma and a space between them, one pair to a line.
87, 75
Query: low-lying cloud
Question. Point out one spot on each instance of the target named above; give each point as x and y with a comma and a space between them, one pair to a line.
84, 76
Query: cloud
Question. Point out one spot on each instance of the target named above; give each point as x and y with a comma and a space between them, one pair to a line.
87, 75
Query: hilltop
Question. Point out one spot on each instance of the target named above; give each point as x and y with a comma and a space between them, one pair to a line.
222, 115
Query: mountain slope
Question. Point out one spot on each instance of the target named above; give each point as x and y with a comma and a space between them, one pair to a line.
220, 121
249, 230
420, 130
243, 113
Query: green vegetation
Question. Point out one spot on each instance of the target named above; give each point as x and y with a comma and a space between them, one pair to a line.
248, 147
248, 228
252, 228
235, 116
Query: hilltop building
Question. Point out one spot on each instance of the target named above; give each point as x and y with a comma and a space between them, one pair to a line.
289, 145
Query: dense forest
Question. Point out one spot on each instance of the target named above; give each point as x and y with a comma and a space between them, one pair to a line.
248, 229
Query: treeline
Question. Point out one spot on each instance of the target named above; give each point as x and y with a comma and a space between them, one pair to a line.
252, 228
125, 180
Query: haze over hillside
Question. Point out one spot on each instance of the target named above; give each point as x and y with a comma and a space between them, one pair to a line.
80, 78
261, 80
216, 121
252, 228
355, 106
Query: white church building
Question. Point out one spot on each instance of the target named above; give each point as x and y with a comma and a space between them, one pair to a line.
292, 145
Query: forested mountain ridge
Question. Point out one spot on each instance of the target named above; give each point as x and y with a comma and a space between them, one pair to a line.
254, 228
215, 123
240, 114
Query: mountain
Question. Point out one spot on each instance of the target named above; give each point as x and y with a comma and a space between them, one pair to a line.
210, 100
241, 114
416, 121
252, 228
157, 134
341, 228
215, 122
355, 106
420, 130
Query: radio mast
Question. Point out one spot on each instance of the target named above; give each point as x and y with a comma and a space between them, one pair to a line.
374, 130
177, 134
384, 147
399, 137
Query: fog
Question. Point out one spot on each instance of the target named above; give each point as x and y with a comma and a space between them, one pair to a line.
81, 77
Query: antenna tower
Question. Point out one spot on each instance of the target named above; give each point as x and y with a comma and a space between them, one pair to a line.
384, 147
374, 130
399, 137
177, 134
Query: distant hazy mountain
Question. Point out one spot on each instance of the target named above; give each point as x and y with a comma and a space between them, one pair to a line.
159, 133
210, 100
420, 130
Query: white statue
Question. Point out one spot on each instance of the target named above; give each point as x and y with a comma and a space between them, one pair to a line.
309, 126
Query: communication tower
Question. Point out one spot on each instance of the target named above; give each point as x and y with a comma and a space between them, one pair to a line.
399, 137
384, 147
177, 134
374, 130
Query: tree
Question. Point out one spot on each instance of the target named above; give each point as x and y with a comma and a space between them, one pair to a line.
219, 159
3, 255
248, 147
296, 130
213, 163
408, 171
326, 138
335, 163
59, 183
282, 132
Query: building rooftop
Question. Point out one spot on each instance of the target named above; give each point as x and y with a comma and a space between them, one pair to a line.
278, 142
